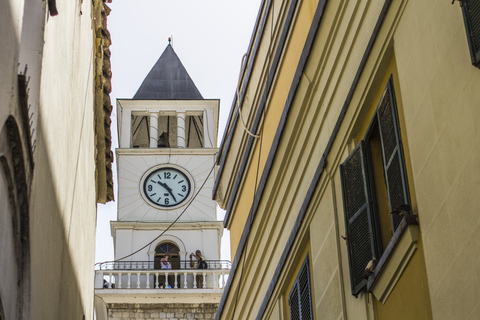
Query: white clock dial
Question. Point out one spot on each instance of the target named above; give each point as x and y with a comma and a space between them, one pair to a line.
166, 187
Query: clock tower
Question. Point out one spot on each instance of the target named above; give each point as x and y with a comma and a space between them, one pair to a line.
165, 163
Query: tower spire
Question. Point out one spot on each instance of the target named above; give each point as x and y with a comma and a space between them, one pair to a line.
168, 79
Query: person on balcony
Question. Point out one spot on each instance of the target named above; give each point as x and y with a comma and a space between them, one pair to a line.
200, 263
165, 264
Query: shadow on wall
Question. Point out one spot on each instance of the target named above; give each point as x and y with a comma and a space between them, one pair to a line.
40, 279
14, 242
48, 288
62, 284
14, 232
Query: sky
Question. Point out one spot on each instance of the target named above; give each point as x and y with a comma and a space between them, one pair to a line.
210, 38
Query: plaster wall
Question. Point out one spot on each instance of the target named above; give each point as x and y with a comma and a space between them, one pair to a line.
325, 272
437, 151
61, 193
250, 103
273, 223
187, 240
63, 204
439, 120
279, 94
10, 26
9, 289
440, 98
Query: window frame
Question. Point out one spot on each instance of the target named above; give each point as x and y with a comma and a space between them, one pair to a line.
358, 256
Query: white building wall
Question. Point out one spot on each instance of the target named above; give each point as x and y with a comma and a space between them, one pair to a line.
59, 53
10, 31
188, 238
8, 280
63, 200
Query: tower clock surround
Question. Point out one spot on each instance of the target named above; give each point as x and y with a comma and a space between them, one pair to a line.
167, 186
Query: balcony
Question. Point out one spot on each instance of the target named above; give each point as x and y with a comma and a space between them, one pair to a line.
142, 275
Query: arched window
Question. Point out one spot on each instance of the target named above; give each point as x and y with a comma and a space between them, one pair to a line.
170, 248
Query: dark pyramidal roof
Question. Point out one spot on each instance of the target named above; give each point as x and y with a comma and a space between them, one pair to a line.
168, 80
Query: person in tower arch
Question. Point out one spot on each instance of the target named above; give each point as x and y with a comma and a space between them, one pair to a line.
166, 264
200, 263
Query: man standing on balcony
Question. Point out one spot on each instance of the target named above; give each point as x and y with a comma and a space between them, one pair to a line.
200, 263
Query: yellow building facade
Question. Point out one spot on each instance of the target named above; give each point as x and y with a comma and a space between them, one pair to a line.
348, 167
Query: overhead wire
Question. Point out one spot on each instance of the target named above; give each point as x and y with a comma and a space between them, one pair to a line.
238, 99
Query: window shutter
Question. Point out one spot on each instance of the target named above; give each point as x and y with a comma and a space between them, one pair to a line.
293, 303
363, 236
300, 299
392, 150
471, 17
304, 289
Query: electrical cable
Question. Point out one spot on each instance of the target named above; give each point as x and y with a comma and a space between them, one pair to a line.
171, 225
238, 99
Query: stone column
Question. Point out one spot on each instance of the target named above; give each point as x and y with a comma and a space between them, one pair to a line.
208, 128
153, 130
183, 258
181, 130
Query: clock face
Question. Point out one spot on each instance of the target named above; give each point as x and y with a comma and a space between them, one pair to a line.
166, 187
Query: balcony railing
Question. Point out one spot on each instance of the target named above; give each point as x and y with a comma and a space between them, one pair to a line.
143, 275
150, 265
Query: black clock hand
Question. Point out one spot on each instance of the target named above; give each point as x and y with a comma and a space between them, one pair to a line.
168, 189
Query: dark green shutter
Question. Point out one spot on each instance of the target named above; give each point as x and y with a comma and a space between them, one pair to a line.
392, 151
363, 236
471, 17
294, 303
300, 298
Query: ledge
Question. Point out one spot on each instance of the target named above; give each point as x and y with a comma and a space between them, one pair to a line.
155, 225
159, 295
394, 260
166, 151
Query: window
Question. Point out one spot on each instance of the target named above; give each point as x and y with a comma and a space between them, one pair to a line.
471, 17
300, 299
167, 131
194, 131
374, 183
140, 131
172, 250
